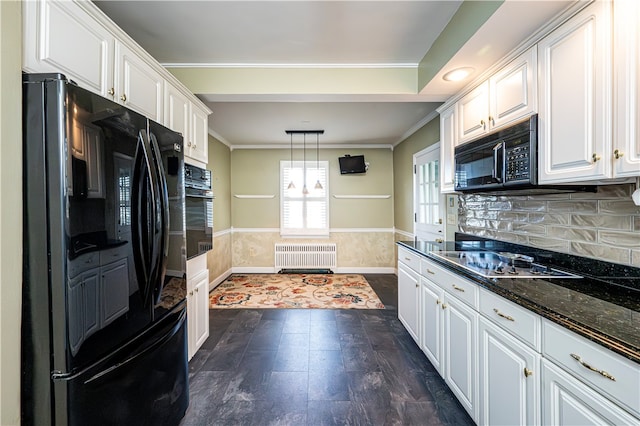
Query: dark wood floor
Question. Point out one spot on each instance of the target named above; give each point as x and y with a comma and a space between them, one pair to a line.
317, 367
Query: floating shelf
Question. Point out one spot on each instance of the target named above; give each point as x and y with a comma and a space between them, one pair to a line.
253, 196
360, 197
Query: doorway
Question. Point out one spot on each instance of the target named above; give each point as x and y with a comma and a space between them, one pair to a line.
428, 202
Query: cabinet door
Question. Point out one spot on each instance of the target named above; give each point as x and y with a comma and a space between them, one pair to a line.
138, 85
567, 401
177, 111
460, 365
432, 323
114, 291
626, 154
408, 300
198, 142
574, 125
509, 379
192, 314
513, 91
60, 37
202, 310
447, 146
473, 112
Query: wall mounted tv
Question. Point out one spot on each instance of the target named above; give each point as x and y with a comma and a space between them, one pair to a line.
352, 164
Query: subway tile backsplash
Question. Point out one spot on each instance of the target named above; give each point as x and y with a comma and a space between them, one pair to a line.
603, 225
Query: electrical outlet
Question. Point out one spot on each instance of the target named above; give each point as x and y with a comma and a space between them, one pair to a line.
451, 219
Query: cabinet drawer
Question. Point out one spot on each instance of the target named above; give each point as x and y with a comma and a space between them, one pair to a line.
409, 258
521, 322
112, 254
464, 290
83, 263
607, 372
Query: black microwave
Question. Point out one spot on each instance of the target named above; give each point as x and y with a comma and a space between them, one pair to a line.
501, 160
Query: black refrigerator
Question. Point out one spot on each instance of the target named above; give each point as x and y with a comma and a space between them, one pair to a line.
104, 286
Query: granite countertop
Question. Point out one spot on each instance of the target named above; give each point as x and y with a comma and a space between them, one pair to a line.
603, 306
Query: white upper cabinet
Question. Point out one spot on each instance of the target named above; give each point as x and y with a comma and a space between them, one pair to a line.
183, 116
197, 145
447, 145
60, 37
508, 95
177, 110
574, 126
626, 136
137, 84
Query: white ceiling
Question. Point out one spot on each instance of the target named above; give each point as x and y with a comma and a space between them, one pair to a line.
320, 35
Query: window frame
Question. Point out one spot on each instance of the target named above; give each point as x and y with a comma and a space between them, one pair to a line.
311, 181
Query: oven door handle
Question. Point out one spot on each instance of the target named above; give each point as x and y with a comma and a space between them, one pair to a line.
208, 197
497, 162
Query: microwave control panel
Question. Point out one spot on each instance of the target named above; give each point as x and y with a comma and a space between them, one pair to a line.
517, 162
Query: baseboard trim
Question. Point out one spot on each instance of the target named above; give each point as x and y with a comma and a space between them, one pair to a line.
216, 281
342, 270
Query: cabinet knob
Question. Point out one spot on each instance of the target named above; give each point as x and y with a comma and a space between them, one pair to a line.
439, 240
191, 293
527, 372
111, 92
417, 285
595, 157
123, 98
617, 154
189, 143
196, 290
437, 301
444, 306
483, 124
195, 144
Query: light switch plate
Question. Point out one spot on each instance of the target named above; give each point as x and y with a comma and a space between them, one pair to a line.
451, 219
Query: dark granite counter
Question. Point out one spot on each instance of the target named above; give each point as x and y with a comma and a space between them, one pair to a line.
604, 306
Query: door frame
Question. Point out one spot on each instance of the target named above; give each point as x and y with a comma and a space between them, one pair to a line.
430, 153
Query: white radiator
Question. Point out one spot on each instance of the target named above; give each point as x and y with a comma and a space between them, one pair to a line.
204, 246
305, 256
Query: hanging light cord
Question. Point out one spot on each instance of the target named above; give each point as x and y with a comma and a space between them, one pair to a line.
318, 184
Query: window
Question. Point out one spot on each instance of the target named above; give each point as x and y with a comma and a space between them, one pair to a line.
304, 215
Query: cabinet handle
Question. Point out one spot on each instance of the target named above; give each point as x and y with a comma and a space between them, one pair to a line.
196, 290
417, 285
482, 123
527, 372
191, 293
617, 154
589, 367
491, 120
429, 271
189, 143
444, 306
437, 301
595, 157
195, 144
439, 240
111, 92
455, 287
500, 314
123, 98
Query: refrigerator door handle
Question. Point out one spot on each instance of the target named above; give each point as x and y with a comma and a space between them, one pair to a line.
163, 197
145, 218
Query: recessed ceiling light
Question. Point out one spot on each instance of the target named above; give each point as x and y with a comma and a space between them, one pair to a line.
458, 74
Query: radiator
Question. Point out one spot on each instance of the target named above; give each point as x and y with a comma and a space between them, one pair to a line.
305, 256
204, 246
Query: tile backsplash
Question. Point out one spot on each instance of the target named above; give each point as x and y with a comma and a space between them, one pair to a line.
603, 225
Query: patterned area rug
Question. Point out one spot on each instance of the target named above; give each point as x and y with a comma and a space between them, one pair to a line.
319, 291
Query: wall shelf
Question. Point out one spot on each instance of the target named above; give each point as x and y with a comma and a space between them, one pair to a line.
243, 196
360, 197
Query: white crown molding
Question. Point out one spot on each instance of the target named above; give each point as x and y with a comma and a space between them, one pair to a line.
432, 115
327, 146
286, 66
222, 140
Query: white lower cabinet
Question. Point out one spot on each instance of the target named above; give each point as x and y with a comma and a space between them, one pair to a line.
567, 401
197, 304
509, 378
432, 342
460, 352
409, 292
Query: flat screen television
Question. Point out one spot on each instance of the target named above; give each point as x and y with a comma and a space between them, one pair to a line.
352, 164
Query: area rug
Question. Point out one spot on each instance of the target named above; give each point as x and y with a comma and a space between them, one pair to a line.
313, 291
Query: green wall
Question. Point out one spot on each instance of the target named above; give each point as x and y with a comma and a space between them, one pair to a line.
403, 172
220, 166
10, 209
256, 172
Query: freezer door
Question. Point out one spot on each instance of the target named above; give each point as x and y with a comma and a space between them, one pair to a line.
145, 383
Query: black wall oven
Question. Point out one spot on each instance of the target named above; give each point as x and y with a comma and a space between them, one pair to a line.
198, 210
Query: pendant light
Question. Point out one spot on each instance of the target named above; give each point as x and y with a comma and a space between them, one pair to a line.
291, 185
305, 191
318, 184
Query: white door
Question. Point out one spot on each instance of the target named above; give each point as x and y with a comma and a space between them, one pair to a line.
428, 202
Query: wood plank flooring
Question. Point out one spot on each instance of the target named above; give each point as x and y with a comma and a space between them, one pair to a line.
317, 367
